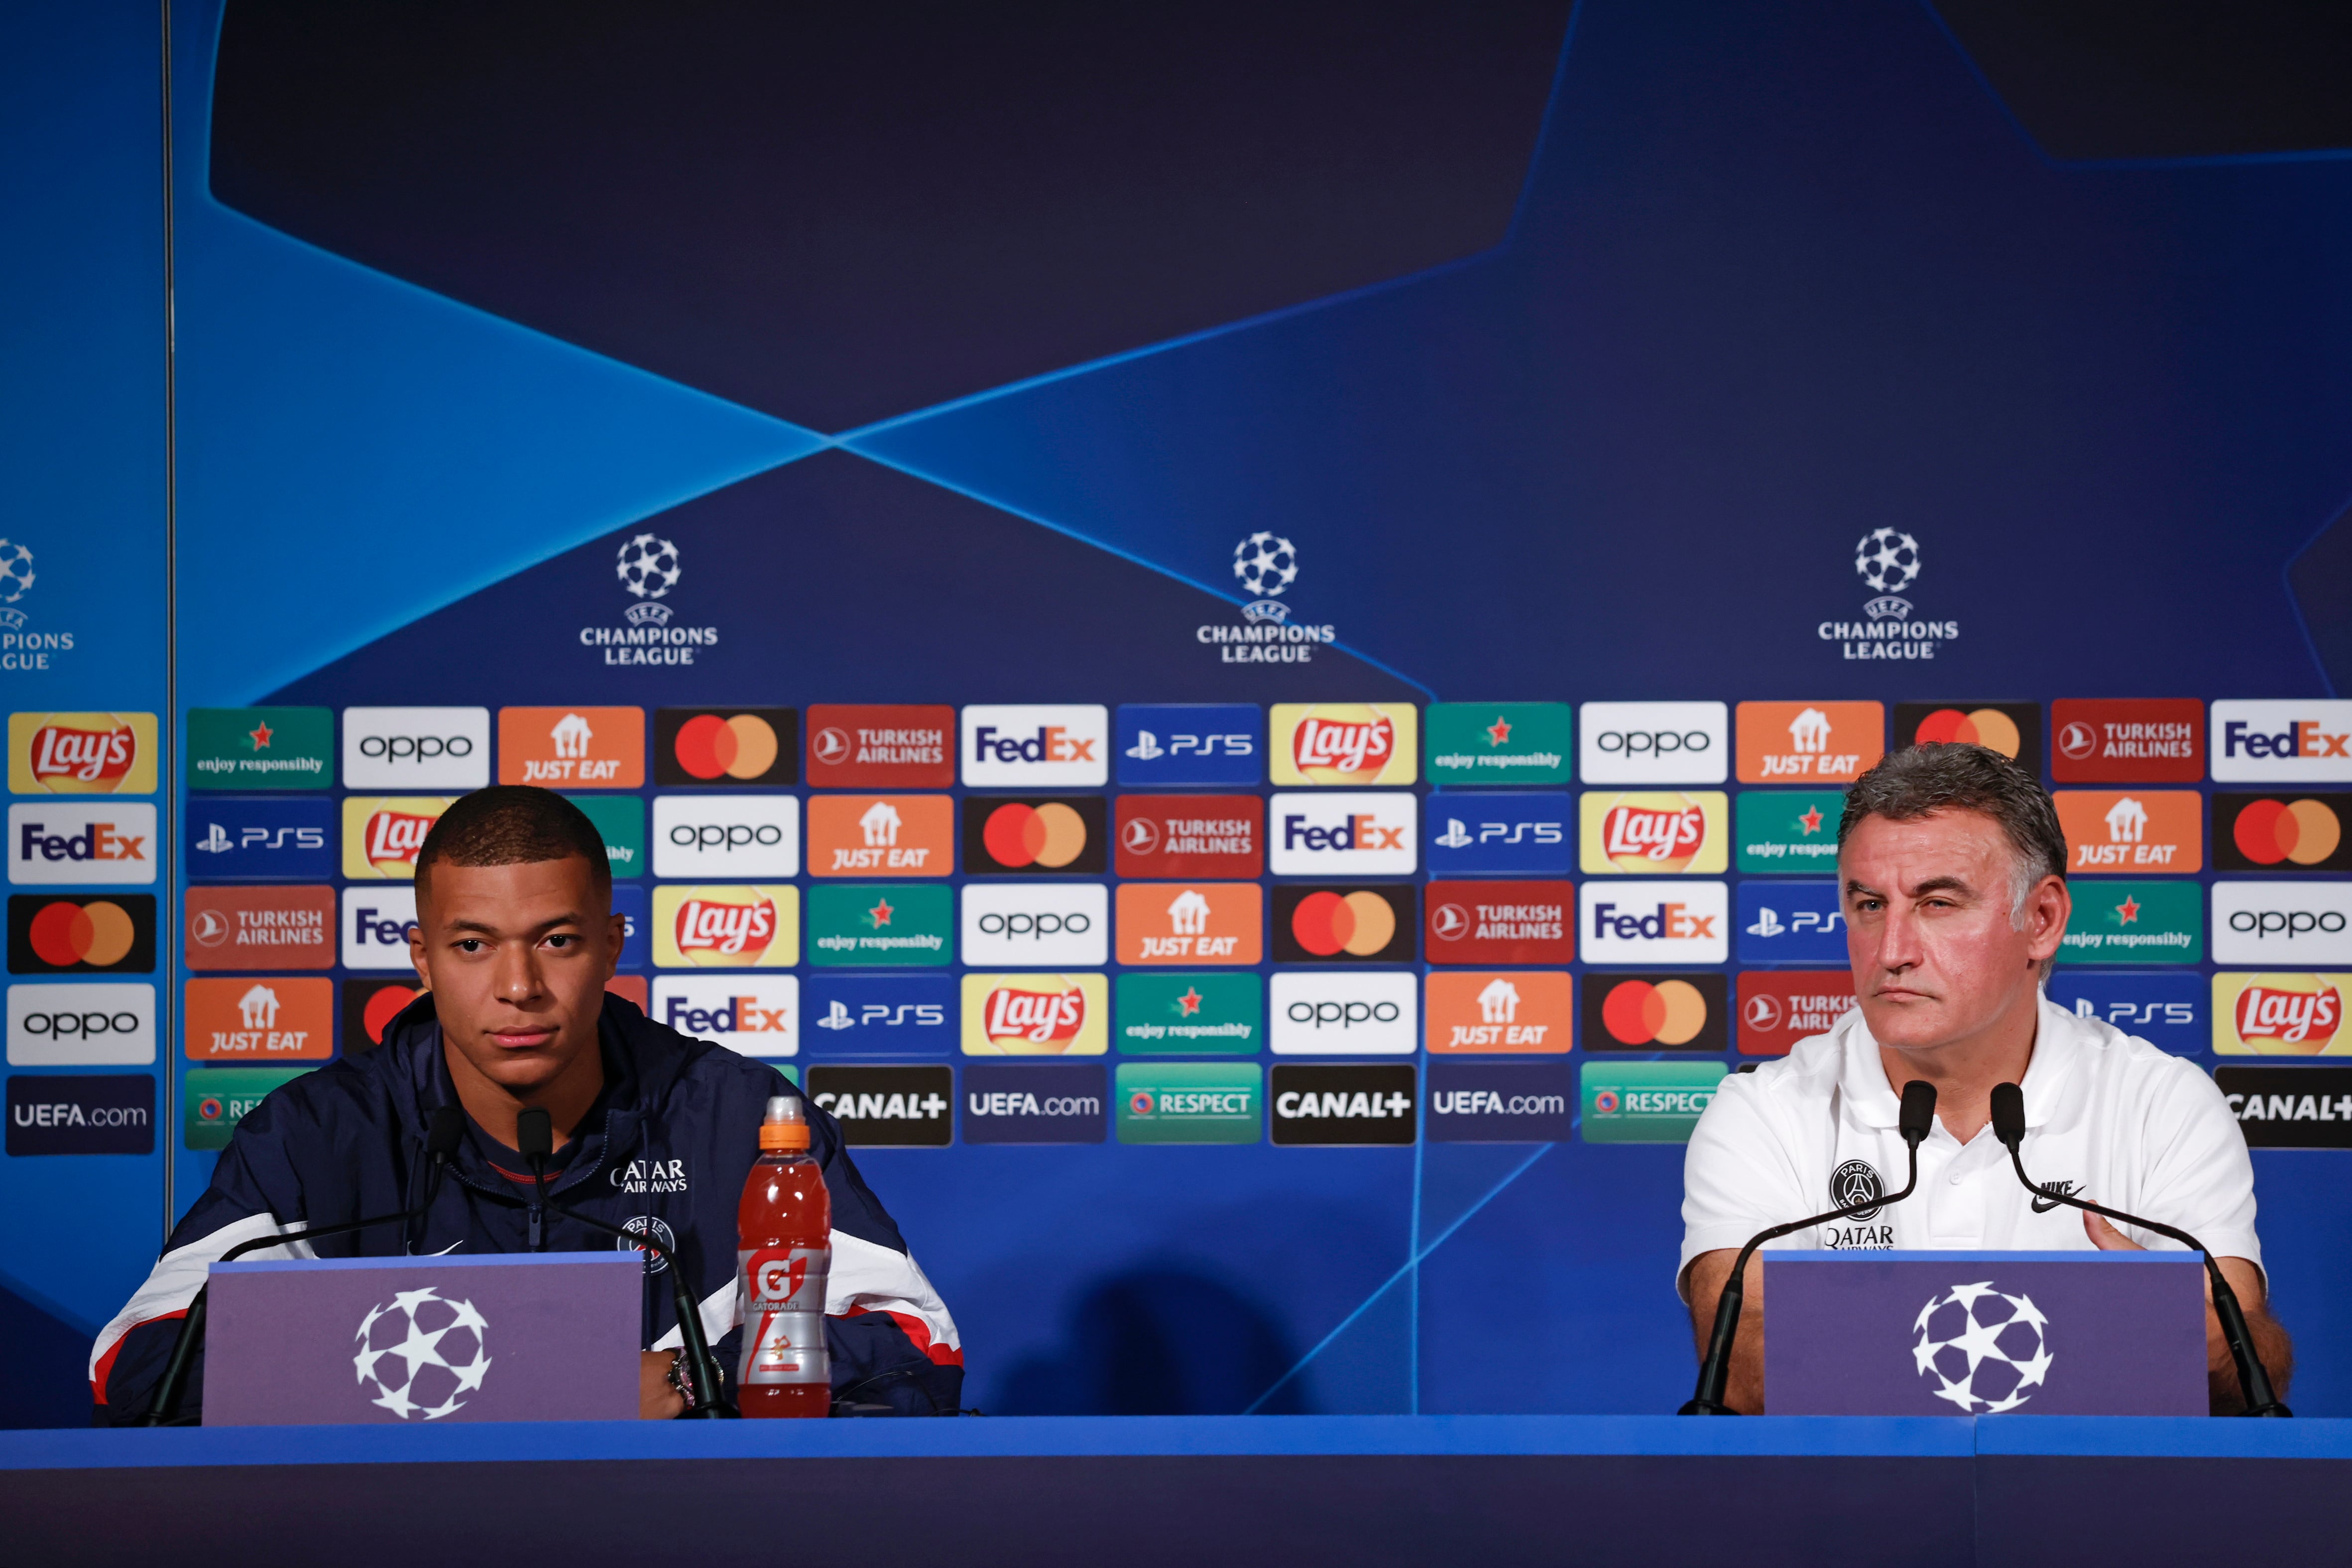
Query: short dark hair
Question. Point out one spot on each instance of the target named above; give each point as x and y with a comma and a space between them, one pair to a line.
1953, 775
514, 824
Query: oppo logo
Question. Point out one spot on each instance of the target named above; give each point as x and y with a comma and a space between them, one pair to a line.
415, 748
79, 1026
2288, 922
1034, 926
726, 837
1653, 742
1341, 1015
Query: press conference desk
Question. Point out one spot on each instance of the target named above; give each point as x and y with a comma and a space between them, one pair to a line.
1120, 1492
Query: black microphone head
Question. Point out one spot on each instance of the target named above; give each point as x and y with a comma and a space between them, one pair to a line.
443, 1132
534, 1132
2008, 1113
1917, 1118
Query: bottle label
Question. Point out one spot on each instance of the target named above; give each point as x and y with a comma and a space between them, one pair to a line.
783, 1315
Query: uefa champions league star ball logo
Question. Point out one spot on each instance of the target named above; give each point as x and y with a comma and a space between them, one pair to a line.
15, 571
1985, 1350
648, 565
1267, 564
1886, 560
410, 1350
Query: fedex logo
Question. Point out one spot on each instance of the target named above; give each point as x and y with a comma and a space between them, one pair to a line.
2282, 742
1662, 921
376, 924
1364, 834
1037, 745
756, 1015
55, 842
1362, 831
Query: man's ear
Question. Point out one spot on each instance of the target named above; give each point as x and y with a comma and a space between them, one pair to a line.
616, 932
416, 937
2047, 909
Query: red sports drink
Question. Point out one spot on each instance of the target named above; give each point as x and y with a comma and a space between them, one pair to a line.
784, 1249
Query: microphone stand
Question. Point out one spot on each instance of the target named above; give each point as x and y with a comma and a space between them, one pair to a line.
535, 1131
2253, 1378
441, 1137
1714, 1371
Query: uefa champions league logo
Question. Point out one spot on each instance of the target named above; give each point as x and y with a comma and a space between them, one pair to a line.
1888, 560
1266, 564
649, 568
15, 580
408, 1362
1987, 1351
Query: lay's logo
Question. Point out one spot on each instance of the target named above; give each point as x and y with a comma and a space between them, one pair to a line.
382, 833
82, 753
1656, 832
1345, 743
2278, 1015
728, 927
1035, 1015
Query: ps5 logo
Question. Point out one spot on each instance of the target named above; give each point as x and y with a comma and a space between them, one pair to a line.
1456, 836
2121, 1013
216, 840
882, 1014
1146, 746
1817, 922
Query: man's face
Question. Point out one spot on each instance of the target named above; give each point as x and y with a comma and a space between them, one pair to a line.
1937, 957
516, 957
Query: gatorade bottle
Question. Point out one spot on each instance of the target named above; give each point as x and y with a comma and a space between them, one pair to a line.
784, 1249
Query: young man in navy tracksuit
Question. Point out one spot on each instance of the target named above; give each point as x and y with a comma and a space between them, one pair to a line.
515, 939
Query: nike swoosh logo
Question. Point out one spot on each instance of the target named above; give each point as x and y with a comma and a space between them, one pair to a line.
2043, 1204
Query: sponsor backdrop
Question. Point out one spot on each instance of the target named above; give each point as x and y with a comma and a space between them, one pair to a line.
1265, 757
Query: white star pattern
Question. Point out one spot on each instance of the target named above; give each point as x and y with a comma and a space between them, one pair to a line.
1978, 1342
423, 1353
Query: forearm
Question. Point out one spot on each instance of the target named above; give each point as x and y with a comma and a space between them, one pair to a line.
1743, 1387
2271, 1345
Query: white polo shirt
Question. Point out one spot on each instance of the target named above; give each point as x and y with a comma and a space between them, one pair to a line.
2130, 1126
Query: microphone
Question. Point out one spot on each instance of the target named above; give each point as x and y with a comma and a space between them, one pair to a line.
1912, 1123
444, 1131
535, 1138
2253, 1378
535, 1141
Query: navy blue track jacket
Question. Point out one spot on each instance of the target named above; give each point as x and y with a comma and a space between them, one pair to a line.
669, 1142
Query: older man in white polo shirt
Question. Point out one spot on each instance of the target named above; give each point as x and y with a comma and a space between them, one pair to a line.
1952, 867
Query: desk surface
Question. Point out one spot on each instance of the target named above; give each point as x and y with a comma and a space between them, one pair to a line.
1282, 1491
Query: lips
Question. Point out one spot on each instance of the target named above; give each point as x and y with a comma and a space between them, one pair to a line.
522, 1039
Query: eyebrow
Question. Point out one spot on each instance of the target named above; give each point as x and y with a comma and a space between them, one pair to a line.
543, 929
1854, 887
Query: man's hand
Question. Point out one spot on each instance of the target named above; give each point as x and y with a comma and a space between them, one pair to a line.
1743, 1387
657, 1400
2270, 1342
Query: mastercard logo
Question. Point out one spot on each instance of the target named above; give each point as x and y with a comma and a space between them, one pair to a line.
97, 933
1051, 835
382, 1008
1670, 1012
708, 746
1357, 924
1985, 727
2304, 832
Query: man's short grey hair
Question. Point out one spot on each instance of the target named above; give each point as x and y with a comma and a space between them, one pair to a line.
1920, 781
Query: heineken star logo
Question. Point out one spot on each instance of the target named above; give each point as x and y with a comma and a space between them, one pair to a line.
2127, 911
879, 915
1498, 732
259, 735
1812, 821
1188, 1004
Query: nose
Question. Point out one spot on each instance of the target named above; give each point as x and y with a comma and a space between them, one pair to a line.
519, 978
1895, 941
